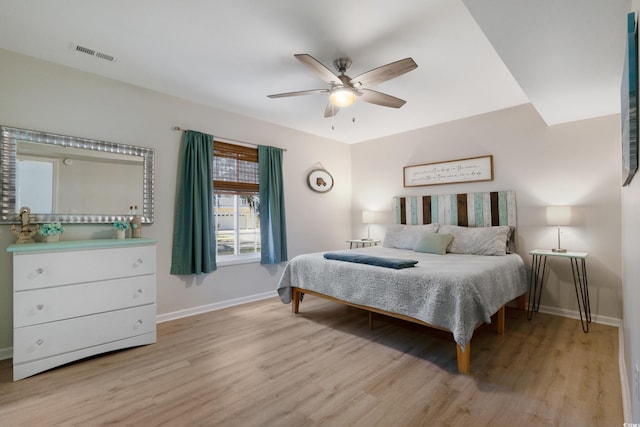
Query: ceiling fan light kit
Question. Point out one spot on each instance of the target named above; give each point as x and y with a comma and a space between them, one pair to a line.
342, 97
344, 89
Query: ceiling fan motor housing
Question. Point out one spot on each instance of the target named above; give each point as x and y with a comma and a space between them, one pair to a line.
342, 64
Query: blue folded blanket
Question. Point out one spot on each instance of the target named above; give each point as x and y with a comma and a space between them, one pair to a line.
396, 263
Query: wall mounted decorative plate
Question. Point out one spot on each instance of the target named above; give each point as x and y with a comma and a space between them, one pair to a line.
320, 180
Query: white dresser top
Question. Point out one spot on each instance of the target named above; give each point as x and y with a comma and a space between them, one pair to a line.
70, 245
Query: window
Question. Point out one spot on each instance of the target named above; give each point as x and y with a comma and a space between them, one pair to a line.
236, 201
36, 183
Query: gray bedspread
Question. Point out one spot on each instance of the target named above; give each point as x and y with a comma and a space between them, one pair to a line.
451, 291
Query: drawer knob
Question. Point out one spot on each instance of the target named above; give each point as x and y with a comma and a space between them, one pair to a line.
39, 342
39, 307
138, 324
138, 293
138, 262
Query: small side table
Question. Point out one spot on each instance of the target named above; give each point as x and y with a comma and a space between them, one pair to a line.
361, 243
579, 270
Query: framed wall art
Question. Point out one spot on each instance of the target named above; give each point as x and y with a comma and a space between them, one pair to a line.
471, 169
629, 103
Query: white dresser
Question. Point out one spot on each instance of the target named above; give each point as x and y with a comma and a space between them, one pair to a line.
75, 299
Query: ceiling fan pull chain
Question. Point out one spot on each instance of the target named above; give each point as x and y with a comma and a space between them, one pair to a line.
333, 115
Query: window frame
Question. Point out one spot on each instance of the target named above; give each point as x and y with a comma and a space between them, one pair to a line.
237, 189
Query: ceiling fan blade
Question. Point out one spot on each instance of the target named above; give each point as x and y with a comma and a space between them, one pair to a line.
325, 74
385, 72
331, 110
299, 93
379, 98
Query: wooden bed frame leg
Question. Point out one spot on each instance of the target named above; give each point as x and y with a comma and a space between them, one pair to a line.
522, 302
501, 319
295, 300
464, 358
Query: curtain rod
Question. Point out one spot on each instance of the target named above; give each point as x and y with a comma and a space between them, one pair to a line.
235, 141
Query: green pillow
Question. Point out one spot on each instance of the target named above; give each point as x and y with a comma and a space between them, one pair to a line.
433, 243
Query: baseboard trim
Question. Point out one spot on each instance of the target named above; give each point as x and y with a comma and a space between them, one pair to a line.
595, 318
212, 307
624, 384
6, 353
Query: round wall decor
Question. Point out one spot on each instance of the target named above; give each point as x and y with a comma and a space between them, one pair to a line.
320, 180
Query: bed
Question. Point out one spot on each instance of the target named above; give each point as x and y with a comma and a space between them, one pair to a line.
464, 267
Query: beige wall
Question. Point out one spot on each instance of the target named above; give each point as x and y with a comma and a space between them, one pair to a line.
631, 287
42, 96
631, 284
576, 164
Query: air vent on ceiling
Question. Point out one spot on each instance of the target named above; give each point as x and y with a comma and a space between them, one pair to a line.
92, 52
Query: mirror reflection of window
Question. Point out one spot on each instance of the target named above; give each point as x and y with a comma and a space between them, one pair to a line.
35, 185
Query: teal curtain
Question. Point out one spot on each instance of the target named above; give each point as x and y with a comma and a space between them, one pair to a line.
194, 250
273, 230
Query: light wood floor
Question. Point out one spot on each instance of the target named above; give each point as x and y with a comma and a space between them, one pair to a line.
260, 365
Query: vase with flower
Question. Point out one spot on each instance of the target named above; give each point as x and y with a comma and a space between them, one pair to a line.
120, 227
51, 232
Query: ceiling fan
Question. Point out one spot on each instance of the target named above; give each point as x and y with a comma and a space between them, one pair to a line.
344, 90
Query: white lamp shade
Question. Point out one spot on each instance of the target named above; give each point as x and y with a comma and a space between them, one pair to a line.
368, 217
559, 215
342, 97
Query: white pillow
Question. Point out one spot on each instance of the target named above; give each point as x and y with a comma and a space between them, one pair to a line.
477, 240
402, 236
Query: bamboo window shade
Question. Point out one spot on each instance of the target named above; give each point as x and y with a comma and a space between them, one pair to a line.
235, 169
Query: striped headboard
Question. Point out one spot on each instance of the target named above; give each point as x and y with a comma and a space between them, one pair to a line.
465, 209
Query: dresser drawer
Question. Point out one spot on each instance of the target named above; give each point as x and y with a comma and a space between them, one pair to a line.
41, 270
65, 302
50, 339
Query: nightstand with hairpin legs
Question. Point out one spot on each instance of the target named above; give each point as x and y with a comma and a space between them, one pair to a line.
361, 243
579, 270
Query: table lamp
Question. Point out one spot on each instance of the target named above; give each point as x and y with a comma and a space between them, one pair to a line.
558, 216
368, 217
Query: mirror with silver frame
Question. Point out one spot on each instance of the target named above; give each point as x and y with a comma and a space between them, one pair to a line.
73, 180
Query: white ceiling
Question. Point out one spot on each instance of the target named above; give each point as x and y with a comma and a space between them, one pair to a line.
473, 56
